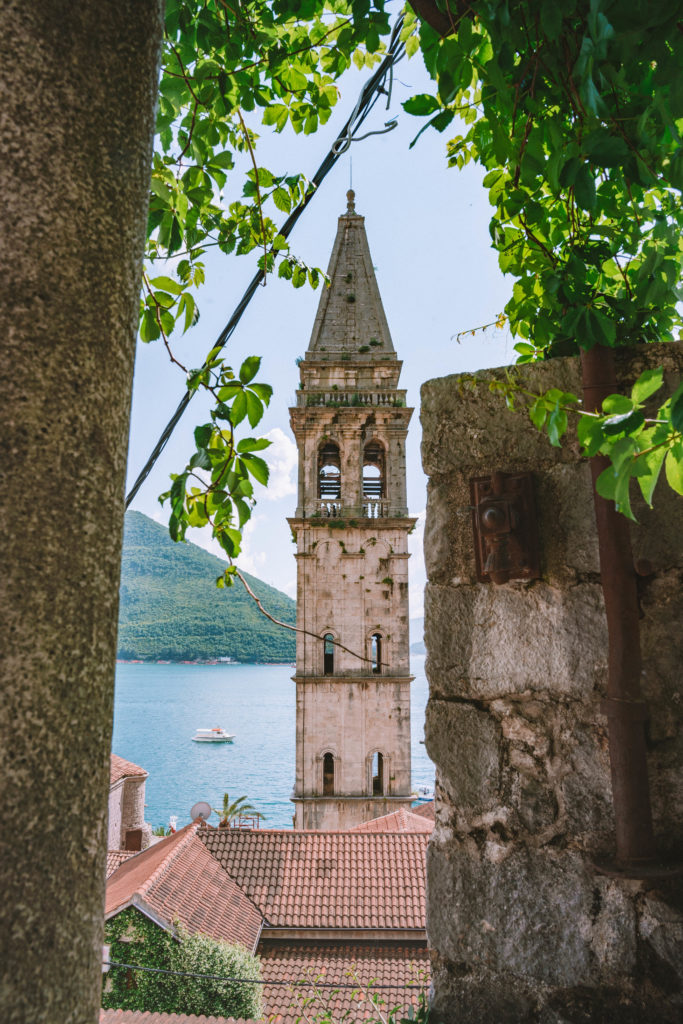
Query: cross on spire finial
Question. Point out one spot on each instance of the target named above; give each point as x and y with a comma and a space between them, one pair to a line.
350, 204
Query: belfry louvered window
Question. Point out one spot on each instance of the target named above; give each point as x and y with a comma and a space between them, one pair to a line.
329, 472
373, 471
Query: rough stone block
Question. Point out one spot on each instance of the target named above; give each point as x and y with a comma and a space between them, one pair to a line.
465, 743
486, 642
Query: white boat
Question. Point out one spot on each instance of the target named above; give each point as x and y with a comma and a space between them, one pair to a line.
216, 735
423, 794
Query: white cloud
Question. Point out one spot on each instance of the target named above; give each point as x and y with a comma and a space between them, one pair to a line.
282, 458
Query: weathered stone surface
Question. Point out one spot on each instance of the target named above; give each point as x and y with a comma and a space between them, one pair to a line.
485, 642
469, 765
534, 907
78, 85
522, 926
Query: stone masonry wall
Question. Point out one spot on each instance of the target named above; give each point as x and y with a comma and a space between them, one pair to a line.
522, 926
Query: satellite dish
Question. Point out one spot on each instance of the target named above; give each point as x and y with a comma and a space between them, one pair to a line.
201, 810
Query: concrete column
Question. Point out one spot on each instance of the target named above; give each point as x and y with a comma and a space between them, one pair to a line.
523, 925
78, 86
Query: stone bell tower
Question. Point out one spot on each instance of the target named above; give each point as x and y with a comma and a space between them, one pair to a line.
351, 530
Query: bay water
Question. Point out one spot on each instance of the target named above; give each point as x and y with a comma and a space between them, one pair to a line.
158, 708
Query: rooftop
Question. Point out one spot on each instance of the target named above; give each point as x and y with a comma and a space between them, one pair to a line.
350, 317
398, 821
122, 769
327, 880
115, 858
403, 967
145, 1017
178, 878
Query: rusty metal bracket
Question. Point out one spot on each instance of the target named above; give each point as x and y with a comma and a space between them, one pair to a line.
505, 532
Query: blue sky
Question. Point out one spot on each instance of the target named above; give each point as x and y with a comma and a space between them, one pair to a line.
427, 227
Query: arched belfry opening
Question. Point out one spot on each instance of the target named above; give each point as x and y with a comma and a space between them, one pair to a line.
329, 472
376, 653
374, 485
328, 655
377, 774
328, 774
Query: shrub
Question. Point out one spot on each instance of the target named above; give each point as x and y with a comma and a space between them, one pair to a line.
134, 939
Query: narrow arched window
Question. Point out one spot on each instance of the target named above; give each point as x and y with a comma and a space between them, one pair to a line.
376, 652
373, 471
329, 472
377, 774
328, 657
328, 775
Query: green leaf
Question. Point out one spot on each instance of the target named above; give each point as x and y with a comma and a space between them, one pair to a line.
649, 468
249, 368
584, 188
258, 468
676, 408
264, 392
421, 105
200, 460
254, 408
551, 18
557, 425
282, 200
239, 409
617, 405
538, 413
589, 431
624, 423
674, 467
647, 384
253, 444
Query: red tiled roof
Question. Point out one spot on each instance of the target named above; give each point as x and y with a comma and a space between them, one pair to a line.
398, 821
425, 810
178, 877
145, 1017
406, 967
115, 859
122, 769
327, 879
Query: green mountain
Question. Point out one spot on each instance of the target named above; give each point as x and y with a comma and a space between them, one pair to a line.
171, 609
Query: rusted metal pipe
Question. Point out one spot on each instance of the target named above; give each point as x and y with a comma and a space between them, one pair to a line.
624, 706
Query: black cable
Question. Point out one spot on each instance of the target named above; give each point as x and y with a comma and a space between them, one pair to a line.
408, 986
368, 97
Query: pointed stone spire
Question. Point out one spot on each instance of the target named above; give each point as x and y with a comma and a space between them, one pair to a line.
351, 319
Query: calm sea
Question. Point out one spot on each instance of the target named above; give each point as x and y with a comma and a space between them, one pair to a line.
159, 707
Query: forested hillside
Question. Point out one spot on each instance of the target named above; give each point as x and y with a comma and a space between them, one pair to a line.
171, 608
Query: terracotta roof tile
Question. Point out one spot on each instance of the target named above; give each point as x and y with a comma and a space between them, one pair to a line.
327, 879
122, 769
178, 877
398, 821
406, 967
145, 1017
115, 858
425, 810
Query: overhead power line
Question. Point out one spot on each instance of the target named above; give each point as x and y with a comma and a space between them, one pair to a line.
369, 94
299, 983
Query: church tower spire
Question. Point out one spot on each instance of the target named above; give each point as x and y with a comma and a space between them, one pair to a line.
351, 528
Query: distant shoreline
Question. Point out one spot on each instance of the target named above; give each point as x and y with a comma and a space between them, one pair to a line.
196, 661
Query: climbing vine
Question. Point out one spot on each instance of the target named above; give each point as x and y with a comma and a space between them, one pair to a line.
226, 69
135, 939
575, 110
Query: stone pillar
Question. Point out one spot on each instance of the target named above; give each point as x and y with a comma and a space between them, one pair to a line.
523, 926
78, 84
